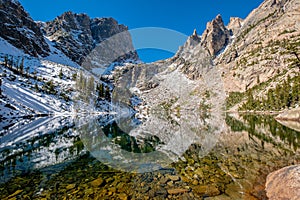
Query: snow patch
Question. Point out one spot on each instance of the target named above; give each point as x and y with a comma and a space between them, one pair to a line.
7, 48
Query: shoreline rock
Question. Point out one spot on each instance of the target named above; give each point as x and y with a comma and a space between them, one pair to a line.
290, 119
284, 183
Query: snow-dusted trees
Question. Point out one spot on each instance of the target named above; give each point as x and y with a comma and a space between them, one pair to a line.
91, 84
16, 64
6, 60
49, 87
103, 92
100, 90
107, 93
36, 87
86, 86
91, 91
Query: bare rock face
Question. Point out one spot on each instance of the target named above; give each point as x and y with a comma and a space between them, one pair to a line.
192, 41
259, 49
284, 183
234, 25
18, 28
76, 35
216, 36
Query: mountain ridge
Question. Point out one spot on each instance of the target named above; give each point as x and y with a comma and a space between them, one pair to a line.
18, 28
77, 34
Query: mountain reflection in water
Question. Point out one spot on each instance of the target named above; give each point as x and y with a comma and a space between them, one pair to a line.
235, 167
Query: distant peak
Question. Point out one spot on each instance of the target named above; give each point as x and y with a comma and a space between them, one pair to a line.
218, 19
195, 33
68, 13
14, 1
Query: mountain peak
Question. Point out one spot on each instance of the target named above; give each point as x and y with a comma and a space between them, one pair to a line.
216, 36
76, 35
195, 33
234, 25
218, 18
12, 1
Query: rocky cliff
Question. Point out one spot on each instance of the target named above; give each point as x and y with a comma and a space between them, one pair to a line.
265, 46
216, 36
18, 28
77, 35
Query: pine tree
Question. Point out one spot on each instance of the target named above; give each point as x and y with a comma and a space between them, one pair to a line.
0, 86
21, 67
101, 90
107, 93
35, 75
10, 62
257, 79
6, 60
61, 75
270, 99
27, 71
91, 84
36, 87
74, 76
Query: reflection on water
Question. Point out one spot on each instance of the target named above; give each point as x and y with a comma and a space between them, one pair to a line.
267, 129
129, 143
55, 164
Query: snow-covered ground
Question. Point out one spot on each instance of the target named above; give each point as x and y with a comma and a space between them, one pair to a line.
31, 113
25, 95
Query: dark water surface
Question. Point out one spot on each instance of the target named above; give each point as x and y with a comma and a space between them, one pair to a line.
56, 162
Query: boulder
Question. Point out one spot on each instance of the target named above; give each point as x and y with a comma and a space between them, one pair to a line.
284, 183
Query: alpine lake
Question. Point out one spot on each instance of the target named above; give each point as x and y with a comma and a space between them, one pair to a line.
58, 164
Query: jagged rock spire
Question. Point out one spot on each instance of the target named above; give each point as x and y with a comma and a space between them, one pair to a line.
195, 33
216, 36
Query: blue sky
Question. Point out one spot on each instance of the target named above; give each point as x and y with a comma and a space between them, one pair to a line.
179, 15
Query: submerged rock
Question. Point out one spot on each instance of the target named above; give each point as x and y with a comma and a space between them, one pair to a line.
177, 191
98, 182
284, 183
209, 190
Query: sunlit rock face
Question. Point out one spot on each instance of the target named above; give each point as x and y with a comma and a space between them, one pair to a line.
257, 47
234, 25
216, 36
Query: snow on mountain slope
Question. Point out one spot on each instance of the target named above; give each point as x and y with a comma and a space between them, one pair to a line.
7, 48
55, 55
58, 57
31, 94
